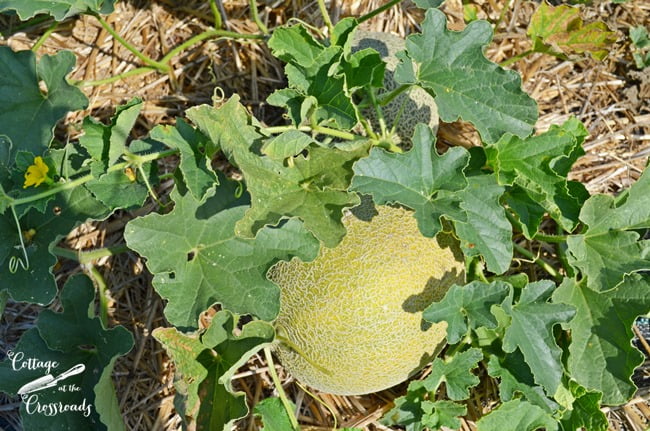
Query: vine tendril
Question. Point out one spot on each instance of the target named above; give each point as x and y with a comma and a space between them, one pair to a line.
15, 262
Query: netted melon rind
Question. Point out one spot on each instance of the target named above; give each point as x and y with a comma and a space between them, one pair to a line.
356, 310
416, 106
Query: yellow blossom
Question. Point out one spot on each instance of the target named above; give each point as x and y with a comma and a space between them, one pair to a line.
36, 173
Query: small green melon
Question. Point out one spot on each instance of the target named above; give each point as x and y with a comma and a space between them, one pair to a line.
351, 320
409, 108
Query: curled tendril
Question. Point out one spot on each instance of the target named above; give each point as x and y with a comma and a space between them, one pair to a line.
240, 190
16, 262
218, 96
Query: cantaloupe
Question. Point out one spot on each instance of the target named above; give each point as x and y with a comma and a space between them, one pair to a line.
350, 321
409, 108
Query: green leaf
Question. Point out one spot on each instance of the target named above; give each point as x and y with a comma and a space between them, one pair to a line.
67, 210
206, 365
106, 144
456, 373
313, 188
308, 71
562, 30
539, 165
438, 414
515, 377
528, 212
517, 415
421, 179
27, 116
465, 307
452, 67
273, 414
426, 4
70, 338
197, 260
486, 230
287, 144
531, 330
415, 411
195, 155
59, 9
434, 186
601, 357
610, 248
585, 411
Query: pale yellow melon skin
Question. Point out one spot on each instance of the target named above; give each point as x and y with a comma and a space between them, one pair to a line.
356, 310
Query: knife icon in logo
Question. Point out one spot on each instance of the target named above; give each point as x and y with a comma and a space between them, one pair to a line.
49, 381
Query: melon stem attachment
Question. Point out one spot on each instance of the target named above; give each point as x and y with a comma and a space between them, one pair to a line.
278, 386
296, 349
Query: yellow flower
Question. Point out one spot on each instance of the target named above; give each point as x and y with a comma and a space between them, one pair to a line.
36, 173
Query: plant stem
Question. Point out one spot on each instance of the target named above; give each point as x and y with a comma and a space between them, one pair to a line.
377, 11
326, 17
549, 238
386, 99
516, 58
84, 179
207, 35
253, 7
318, 129
278, 386
41, 40
104, 81
101, 292
539, 261
87, 257
218, 22
147, 60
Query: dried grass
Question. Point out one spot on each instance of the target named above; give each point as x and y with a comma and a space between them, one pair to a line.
610, 97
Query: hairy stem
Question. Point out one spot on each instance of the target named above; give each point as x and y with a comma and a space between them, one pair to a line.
387, 98
278, 386
318, 129
41, 40
87, 257
110, 79
377, 11
84, 179
101, 293
218, 21
253, 7
161, 66
516, 58
326, 16
539, 261
208, 35
550, 238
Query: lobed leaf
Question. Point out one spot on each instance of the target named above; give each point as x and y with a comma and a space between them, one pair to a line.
562, 29
610, 248
59, 9
452, 67
197, 260
206, 364
468, 306
27, 115
531, 331
273, 414
539, 165
312, 187
601, 357
517, 415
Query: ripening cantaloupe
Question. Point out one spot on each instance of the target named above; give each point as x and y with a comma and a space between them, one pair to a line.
350, 321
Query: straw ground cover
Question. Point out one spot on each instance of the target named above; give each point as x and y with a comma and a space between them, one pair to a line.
608, 96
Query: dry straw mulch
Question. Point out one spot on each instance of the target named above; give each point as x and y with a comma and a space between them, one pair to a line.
610, 97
